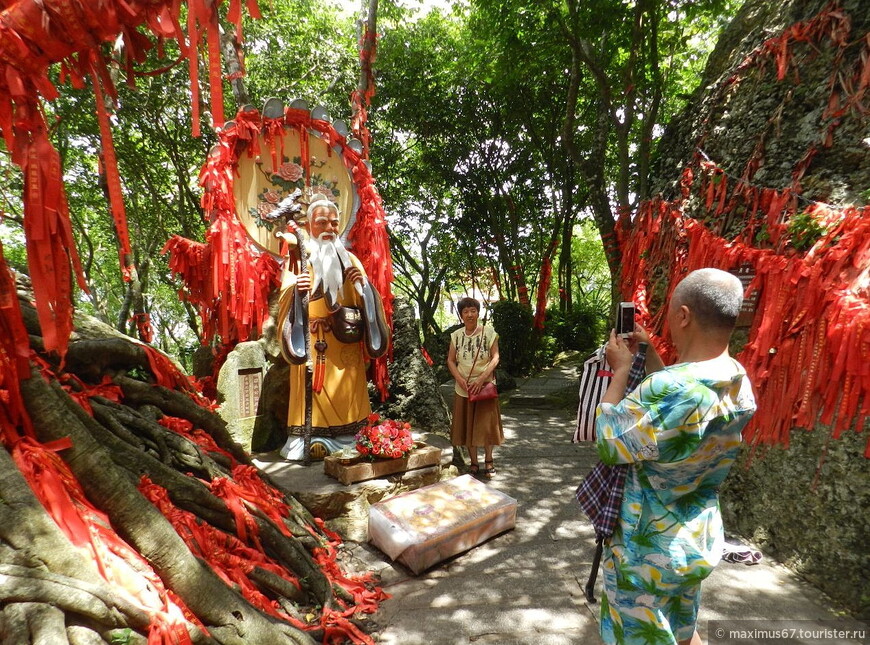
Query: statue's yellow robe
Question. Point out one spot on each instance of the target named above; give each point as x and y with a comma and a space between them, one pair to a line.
342, 406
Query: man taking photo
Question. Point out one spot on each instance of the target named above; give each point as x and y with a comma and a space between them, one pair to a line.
680, 430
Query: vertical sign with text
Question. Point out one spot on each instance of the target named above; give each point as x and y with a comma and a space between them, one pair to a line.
250, 384
746, 273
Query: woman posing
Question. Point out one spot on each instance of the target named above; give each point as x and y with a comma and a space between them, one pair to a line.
472, 359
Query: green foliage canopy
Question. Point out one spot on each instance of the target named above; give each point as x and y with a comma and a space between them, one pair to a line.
498, 128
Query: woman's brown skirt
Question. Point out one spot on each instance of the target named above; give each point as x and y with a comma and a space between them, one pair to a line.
476, 423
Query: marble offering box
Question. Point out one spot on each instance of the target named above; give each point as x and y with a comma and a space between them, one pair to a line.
423, 527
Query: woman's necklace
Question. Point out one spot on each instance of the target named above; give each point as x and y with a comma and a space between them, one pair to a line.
467, 335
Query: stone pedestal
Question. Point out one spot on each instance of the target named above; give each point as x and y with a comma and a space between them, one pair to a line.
345, 508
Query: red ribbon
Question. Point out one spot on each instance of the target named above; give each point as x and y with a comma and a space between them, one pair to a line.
227, 278
86, 527
809, 346
113, 179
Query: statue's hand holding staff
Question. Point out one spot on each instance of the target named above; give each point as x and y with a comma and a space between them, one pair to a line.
303, 282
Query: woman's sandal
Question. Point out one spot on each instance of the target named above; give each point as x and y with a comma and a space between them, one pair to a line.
489, 471
473, 470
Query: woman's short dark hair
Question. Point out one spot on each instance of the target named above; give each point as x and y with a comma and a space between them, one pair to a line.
465, 303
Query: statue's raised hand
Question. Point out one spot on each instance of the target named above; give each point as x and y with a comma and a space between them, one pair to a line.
303, 282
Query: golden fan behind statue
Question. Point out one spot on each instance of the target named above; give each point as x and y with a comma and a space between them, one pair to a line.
263, 182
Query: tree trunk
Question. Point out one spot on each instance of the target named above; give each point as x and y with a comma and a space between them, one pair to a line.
233, 62
566, 268
361, 100
226, 615
243, 568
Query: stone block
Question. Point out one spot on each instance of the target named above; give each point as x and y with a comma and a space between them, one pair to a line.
428, 525
239, 386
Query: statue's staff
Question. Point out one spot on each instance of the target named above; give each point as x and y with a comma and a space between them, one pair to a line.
287, 209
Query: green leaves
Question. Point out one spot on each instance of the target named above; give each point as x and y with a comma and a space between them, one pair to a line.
804, 230
302, 49
495, 129
121, 636
524, 116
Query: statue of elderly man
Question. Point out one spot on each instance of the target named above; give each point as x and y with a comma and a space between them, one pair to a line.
346, 326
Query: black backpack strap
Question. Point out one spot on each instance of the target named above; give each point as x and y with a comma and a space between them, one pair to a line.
593, 575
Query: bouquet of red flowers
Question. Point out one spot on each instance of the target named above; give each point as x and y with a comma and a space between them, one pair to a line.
385, 438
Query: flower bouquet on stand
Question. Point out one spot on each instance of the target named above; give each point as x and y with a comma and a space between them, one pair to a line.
384, 447
385, 438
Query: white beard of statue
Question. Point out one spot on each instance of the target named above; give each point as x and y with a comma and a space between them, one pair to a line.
328, 259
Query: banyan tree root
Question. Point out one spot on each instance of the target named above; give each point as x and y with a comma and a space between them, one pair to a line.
41, 568
159, 527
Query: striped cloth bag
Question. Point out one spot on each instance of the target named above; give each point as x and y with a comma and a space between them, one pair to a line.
600, 493
594, 379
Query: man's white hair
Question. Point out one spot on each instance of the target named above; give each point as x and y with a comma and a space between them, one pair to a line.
713, 295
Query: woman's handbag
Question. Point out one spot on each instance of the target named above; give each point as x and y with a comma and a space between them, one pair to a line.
487, 392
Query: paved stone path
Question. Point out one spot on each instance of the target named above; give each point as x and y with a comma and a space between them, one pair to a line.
524, 587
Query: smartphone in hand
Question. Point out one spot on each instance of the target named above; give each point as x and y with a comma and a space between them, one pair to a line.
625, 319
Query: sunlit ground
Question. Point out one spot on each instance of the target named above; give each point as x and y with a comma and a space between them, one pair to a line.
525, 586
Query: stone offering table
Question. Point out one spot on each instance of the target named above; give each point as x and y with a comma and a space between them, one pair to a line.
345, 508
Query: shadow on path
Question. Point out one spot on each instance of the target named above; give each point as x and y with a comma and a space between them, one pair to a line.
524, 587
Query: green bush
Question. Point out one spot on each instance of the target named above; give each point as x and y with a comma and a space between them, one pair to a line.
517, 344
581, 329
547, 350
